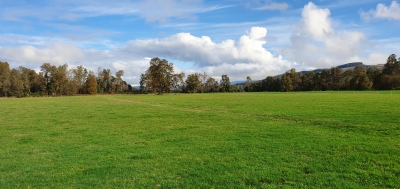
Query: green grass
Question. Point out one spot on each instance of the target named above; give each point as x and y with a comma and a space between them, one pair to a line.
238, 140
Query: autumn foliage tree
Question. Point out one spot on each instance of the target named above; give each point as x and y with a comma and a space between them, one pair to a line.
159, 75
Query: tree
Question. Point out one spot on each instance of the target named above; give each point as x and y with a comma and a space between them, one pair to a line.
4, 78
119, 80
247, 85
323, 80
104, 80
375, 76
177, 82
391, 73
203, 80
347, 76
286, 83
25, 76
392, 65
335, 79
308, 81
225, 84
159, 75
16, 84
211, 85
48, 71
91, 84
60, 80
80, 75
193, 83
143, 80
269, 84
360, 80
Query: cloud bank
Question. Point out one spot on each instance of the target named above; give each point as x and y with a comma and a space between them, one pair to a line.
382, 11
246, 54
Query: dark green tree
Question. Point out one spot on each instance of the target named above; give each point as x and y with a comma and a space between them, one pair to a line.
225, 84
193, 83
360, 80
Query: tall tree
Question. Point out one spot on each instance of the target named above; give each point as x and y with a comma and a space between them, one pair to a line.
392, 65
203, 80
119, 80
80, 75
104, 80
375, 76
391, 73
177, 82
48, 69
143, 81
269, 84
60, 80
211, 85
225, 84
286, 83
27, 78
193, 83
360, 80
4, 78
16, 84
159, 75
308, 82
247, 85
335, 79
347, 77
91, 83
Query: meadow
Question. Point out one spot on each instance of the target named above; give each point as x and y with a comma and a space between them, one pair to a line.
225, 140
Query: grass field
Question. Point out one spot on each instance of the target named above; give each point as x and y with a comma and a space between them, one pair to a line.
235, 140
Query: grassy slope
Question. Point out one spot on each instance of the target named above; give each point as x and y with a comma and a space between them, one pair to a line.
241, 140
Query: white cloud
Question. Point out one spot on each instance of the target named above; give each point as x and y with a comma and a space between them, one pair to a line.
382, 11
316, 44
242, 55
316, 22
56, 53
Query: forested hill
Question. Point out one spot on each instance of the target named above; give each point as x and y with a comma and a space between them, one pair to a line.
352, 65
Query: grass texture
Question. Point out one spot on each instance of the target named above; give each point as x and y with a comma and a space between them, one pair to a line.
232, 140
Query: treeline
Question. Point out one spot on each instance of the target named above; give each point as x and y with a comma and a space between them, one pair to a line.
58, 80
358, 78
160, 78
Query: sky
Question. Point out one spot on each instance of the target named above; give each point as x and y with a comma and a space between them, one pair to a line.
239, 38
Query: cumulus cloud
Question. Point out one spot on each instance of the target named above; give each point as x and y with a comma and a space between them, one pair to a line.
382, 11
246, 53
316, 22
55, 53
316, 44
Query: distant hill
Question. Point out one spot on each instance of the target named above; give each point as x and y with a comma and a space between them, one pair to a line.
347, 66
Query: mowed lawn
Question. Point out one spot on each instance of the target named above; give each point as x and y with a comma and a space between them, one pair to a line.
230, 140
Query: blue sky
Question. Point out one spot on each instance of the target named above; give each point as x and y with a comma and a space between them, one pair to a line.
240, 38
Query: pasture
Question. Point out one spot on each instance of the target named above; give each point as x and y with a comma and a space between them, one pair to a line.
225, 140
